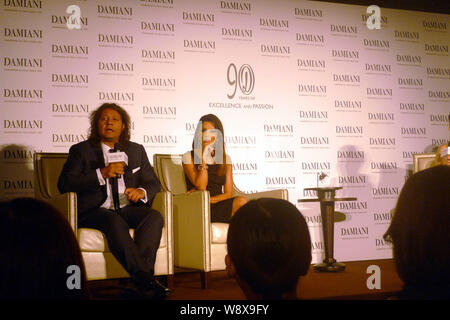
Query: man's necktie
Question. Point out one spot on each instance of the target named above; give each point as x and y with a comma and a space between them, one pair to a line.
115, 188
115, 193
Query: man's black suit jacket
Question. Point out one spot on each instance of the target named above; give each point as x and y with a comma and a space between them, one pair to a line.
79, 174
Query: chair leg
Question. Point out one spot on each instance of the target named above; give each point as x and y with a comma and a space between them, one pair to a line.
169, 280
205, 276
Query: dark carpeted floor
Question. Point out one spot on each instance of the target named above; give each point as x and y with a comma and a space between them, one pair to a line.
350, 284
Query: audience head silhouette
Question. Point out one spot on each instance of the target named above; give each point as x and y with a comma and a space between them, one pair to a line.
420, 235
269, 248
37, 245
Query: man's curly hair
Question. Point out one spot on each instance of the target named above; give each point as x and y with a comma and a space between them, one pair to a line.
94, 117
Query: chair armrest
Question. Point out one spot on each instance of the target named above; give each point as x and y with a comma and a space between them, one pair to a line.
66, 203
278, 194
163, 204
192, 230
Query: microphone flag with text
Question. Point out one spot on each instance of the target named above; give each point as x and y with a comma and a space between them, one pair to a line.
117, 156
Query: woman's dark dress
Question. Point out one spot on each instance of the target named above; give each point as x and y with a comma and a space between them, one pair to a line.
220, 211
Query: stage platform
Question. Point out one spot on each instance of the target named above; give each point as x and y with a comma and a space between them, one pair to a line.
350, 284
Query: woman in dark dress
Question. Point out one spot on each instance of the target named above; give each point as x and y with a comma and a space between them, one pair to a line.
208, 167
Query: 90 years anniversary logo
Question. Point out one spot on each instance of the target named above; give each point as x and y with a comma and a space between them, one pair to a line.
241, 81
244, 79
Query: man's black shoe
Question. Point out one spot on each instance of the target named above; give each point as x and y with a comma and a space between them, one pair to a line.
149, 286
159, 289
131, 292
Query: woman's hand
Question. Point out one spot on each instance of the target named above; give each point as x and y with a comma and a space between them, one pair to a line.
208, 141
208, 154
190, 191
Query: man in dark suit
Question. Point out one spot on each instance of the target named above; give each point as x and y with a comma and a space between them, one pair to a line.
113, 197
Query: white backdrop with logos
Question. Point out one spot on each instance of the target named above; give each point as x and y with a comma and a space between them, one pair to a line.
301, 88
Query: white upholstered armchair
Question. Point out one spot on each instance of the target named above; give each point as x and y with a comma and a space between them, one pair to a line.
198, 243
99, 261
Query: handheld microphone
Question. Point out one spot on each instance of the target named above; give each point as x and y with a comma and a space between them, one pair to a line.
208, 154
116, 156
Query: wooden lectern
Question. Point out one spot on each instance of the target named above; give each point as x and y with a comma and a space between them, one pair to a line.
326, 197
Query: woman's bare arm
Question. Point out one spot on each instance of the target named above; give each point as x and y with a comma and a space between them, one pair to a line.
199, 178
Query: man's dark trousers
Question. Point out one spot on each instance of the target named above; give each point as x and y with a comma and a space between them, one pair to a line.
134, 255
